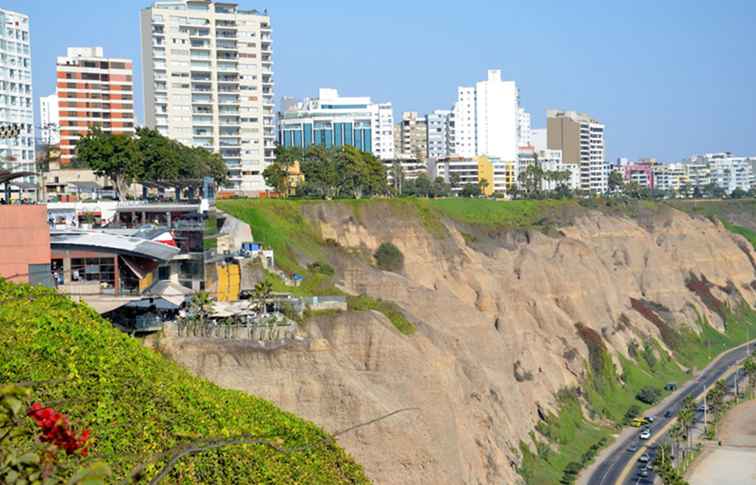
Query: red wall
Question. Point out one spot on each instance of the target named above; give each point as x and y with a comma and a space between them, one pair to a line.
24, 239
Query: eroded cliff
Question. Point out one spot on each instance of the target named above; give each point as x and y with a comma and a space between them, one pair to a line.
496, 313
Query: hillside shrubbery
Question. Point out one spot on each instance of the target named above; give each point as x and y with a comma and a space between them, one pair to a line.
138, 404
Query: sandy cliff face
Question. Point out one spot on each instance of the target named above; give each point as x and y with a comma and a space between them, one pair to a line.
488, 305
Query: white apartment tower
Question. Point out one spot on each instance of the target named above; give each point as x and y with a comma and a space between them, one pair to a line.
487, 119
49, 120
16, 105
208, 82
497, 117
439, 134
524, 131
464, 123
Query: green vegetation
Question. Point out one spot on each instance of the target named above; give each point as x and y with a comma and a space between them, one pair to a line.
139, 404
486, 212
389, 309
145, 156
569, 439
747, 233
342, 171
388, 257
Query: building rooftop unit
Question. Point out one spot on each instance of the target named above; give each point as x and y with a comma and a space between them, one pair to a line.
207, 5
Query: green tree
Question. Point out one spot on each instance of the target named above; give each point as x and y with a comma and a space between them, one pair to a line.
470, 190
454, 180
440, 188
423, 185
114, 156
160, 156
616, 181
262, 292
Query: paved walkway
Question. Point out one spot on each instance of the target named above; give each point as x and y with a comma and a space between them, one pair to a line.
734, 463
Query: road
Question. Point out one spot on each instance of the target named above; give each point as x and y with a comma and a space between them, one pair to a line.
608, 471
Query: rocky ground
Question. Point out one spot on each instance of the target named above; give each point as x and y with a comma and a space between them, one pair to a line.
496, 313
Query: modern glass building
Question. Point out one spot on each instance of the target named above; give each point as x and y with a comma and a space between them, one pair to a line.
332, 121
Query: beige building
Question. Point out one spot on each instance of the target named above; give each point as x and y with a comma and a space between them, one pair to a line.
581, 140
411, 137
208, 82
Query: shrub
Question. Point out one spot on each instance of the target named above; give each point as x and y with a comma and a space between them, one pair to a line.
138, 403
632, 413
648, 395
389, 257
322, 268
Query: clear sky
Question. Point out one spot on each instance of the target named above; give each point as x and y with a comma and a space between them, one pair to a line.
668, 78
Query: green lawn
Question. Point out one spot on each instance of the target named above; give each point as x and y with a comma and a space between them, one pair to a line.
570, 436
138, 403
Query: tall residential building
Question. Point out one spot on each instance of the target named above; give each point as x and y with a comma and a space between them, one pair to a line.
497, 117
92, 91
331, 120
524, 131
411, 141
487, 119
49, 121
16, 105
439, 134
464, 123
208, 82
729, 172
581, 139
539, 139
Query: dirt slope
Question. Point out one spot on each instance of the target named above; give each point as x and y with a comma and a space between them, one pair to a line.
489, 304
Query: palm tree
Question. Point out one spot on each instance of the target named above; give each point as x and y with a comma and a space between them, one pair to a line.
263, 289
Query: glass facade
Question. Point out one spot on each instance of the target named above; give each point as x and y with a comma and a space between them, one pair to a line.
329, 134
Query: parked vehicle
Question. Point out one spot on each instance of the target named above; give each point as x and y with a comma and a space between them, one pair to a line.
644, 458
645, 435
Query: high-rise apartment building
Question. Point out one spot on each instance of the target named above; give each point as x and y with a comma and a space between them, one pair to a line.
16, 105
208, 82
439, 134
581, 139
92, 91
524, 131
464, 123
487, 119
497, 117
331, 120
411, 137
49, 120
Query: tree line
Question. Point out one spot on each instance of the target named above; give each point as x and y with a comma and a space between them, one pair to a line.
146, 156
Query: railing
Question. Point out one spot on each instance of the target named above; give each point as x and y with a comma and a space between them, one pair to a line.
274, 328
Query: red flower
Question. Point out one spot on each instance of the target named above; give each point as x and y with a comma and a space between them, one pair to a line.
55, 429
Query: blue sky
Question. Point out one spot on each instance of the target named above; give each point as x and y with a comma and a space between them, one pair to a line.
669, 78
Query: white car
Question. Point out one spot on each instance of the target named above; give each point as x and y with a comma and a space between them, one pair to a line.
645, 458
645, 435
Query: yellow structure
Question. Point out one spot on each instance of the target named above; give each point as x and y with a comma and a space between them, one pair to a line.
229, 282
295, 177
486, 172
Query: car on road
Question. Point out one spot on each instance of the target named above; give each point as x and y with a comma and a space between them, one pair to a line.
668, 413
633, 448
646, 434
701, 408
644, 458
650, 419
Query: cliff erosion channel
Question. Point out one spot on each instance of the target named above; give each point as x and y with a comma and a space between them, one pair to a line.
533, 331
